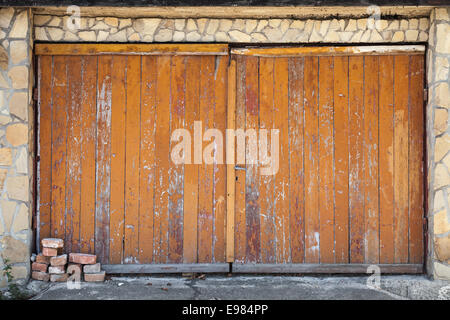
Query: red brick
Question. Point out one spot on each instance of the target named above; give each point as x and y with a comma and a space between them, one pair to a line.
74, 268
49, 252
40, 258
83, 258
59, 277
42, 276
92, 268
52, 243
95, 277
59, 260
36, 266
56, 269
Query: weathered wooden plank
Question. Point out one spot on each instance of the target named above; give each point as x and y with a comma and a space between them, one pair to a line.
167, 268
73, 169
386, 160
252, 9
240, 226
191, 182
330, 51
281, 176
161, 226
45, 73
326, 154
325, 268
401, 162
103, 158
266, 192
132, 151
356, 169
416, 159
118, 154
252, 210
88, 138
312, 225
176, 171
296, 148
87, 49
231, 195
147, 158
205, 176
220, 169
341, 159
59, 147
371, 205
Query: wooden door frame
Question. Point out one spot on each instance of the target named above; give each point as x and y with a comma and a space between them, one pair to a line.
226, 49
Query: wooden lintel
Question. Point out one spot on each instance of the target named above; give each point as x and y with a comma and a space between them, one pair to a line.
330, 51
250, 12
130, 49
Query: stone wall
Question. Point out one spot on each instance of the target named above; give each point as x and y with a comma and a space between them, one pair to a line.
15, 135
112, 29
16, 130
438, 128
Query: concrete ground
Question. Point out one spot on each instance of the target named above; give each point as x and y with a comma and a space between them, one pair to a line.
221, 287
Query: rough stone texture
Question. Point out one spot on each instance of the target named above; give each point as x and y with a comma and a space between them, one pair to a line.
438, 141
15, 133
232, 30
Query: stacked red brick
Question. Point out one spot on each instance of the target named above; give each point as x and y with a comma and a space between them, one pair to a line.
88, 264
50, 265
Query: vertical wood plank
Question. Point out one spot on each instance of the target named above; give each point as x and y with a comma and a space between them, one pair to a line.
296, 176
88, 145
371, 208
132, 149
266, 93
162, 159
386, 164
252, 212
73, 169
176, 172
240, 226
191, 181
416, 174
326, 168
231, 196
118, 119
356, 170
312, 226
206, 184
103, 158
281, 187
147, 158
59, 151
45, 73
401, 163
220, 169
341, 156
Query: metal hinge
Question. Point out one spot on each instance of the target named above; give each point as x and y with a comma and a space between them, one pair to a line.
425, 225
425, 95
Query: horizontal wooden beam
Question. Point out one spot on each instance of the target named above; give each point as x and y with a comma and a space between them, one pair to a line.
329, 51
325, 268
258, 12
167, 268
130, 49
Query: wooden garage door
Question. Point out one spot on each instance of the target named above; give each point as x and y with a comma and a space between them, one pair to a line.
349, 189
106, 182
